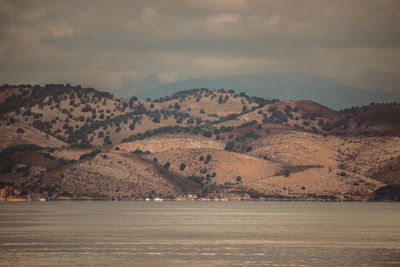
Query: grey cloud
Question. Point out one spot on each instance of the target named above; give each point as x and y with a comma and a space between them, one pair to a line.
137, 44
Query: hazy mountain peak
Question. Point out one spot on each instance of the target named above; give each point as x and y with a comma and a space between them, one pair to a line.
295, 86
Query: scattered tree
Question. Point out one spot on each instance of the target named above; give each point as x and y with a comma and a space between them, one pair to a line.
167, 165
182, 166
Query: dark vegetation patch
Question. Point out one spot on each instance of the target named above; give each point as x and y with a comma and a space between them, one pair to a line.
28, 155
90, 155
290, 169
388, 173
388, 193
140, 152
8, 157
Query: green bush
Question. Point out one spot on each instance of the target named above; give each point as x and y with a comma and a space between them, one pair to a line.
90, 155
196, 179
207, 134
182, 166
230, 146
167, 165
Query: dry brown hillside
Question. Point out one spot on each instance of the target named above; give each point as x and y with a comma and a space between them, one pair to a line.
291, 164
18, 134
114, 175
62, 141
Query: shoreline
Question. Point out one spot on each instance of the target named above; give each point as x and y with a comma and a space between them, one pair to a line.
15, 200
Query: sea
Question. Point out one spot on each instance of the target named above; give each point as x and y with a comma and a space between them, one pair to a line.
170, 233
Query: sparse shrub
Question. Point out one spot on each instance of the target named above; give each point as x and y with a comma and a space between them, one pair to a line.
86, 108
314, 130
167, 165
230, 146
196, 179
140, 152
107, 140
207, 134
327, 127
62, 161
90, 155
156, 116
182, 166
279, 115
190, 120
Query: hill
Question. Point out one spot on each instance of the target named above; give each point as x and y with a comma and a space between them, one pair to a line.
329, 92
68, 142
374, 79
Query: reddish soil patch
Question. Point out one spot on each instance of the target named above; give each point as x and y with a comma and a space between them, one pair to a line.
384, 114
387, 116
317, 110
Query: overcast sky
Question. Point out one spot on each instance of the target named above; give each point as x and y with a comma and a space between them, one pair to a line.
128, 46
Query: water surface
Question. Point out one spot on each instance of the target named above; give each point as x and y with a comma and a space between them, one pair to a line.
135, 233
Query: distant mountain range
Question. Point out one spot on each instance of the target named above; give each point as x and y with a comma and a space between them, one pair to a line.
381, 87
374, 79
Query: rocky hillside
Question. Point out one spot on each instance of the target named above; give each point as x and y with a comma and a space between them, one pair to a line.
68, 142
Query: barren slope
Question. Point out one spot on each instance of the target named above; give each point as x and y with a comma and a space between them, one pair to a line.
22, 134
111, 175
171, 142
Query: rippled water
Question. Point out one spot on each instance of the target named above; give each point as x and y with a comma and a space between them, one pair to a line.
199, 234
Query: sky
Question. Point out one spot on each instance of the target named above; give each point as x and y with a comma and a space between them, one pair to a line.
129, 46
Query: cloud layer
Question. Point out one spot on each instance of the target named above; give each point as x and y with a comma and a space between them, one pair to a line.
128, 46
